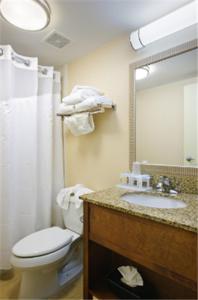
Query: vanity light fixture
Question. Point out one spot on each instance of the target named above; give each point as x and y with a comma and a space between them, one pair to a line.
177, 20
30, 15
141, 73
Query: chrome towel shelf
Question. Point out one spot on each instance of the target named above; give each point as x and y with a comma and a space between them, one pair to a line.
95, 110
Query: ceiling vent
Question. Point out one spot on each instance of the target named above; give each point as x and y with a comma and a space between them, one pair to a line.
56, 39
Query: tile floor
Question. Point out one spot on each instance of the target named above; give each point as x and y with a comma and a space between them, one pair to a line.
9, 289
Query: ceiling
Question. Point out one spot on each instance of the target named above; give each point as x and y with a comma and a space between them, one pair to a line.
170, 70
88, 24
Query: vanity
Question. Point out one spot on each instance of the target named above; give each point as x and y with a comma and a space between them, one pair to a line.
161, 243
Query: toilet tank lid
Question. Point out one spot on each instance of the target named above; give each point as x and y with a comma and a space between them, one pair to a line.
42, 242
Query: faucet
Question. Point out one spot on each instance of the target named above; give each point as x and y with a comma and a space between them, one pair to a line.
165, 185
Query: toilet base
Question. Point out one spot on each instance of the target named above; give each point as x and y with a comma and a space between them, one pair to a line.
51, 280
43, 284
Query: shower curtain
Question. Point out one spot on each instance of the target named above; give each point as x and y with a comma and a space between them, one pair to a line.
31, 165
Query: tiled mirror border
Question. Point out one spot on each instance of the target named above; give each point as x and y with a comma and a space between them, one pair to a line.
187, 173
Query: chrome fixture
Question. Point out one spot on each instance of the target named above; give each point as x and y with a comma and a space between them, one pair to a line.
165, 185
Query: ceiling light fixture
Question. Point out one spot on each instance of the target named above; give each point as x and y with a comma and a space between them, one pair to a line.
141, 73
177, 20
26, 14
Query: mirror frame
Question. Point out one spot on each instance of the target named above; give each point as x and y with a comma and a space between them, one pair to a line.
155, 168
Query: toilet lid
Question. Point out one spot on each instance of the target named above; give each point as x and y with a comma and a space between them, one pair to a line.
42, 242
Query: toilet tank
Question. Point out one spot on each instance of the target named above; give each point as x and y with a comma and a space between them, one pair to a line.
73, 217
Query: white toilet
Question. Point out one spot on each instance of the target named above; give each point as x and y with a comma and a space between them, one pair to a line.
50, 259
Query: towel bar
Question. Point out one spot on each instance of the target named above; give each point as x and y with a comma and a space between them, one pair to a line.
96, 110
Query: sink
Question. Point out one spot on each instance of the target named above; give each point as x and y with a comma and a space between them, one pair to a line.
152, 201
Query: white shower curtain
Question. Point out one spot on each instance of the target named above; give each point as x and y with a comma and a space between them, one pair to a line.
28, 151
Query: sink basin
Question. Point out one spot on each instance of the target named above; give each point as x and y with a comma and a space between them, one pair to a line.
152, 201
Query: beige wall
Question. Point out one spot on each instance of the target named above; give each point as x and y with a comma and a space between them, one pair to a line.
98, 158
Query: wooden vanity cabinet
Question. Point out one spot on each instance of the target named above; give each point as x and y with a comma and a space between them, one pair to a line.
166, 256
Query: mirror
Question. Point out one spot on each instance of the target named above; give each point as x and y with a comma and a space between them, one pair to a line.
166, 110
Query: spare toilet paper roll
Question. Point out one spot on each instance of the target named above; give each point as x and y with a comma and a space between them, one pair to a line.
131, 276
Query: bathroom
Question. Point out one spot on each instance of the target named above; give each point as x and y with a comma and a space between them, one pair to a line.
98, 129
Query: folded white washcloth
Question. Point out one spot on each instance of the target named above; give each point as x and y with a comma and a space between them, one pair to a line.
79, 124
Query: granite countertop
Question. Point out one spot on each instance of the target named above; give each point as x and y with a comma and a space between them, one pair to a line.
185, 218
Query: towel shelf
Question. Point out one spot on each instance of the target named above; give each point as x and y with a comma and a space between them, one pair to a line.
98, 109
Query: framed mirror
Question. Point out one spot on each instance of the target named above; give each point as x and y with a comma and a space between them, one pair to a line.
164, 108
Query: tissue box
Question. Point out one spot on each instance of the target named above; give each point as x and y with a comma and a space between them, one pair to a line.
124, 291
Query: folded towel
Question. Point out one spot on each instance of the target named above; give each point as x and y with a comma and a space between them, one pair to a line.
72, 194
87, 104
80, 93
74, 98
79, 192
92, 102
66, 109
86, 87
63, 197
104, 101
80, 124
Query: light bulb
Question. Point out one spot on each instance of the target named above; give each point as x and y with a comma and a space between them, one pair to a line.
141, 73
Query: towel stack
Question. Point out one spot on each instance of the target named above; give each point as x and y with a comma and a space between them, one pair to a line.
82, 99
68, 199
72, 194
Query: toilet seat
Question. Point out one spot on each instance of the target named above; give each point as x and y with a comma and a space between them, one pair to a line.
65, 238
42, 242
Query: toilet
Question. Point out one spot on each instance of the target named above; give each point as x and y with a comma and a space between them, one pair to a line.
50, 259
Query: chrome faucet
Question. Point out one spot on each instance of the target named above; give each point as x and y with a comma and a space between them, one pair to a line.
165, 185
